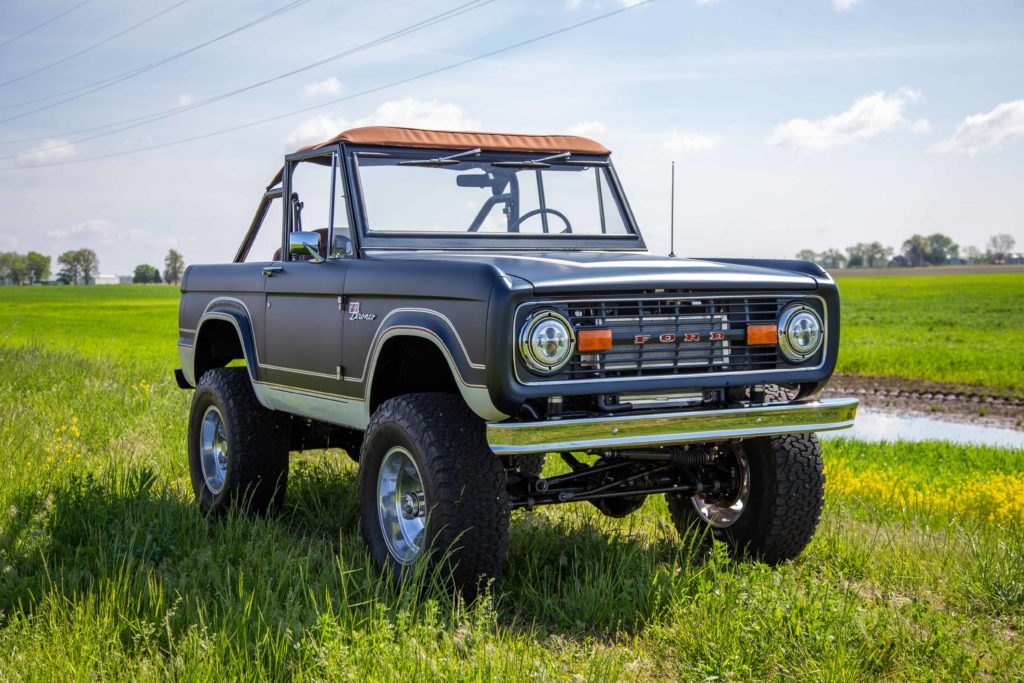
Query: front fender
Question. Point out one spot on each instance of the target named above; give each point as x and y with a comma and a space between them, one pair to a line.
435, 327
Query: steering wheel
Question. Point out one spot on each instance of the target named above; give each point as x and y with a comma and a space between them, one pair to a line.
536, 212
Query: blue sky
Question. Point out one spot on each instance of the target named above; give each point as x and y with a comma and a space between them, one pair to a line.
798, 124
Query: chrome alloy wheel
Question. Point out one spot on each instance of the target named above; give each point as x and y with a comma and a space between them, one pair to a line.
401, 505
213, 450
724, 513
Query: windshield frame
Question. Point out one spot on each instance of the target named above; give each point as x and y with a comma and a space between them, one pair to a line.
488, 241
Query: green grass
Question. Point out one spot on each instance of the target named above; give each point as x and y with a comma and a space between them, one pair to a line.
960, 329
108, 570
124, 321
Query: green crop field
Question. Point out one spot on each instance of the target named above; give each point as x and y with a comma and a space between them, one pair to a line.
960, 329
108, 570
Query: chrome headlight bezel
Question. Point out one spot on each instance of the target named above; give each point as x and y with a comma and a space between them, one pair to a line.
535, 322
793, 317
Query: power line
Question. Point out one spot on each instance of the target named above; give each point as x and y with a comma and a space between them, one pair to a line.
104, 83
94, 45
44, 24
136, 122
363, 93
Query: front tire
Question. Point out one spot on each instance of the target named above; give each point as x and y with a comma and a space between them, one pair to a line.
774, 510
237, 449
430, 490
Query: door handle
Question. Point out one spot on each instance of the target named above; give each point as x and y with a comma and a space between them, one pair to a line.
270, 270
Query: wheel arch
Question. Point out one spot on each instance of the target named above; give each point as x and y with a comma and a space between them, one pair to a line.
433, 334
223, 335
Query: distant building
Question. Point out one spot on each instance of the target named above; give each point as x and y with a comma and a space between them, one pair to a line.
108, 280
1015, 259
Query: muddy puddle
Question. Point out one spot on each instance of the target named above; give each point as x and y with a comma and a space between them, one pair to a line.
887, 426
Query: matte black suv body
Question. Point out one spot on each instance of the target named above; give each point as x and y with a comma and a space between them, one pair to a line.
449, 361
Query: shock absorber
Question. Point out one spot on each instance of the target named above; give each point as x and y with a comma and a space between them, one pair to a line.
680, 456
692, 457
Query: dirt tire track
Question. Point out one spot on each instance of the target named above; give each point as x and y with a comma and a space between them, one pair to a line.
964, 403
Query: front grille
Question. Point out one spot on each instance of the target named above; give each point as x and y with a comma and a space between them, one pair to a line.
673, 335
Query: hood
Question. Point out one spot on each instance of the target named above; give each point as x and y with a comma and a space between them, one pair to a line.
617, 271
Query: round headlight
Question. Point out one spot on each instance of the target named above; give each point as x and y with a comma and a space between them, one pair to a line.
546, 342
800, 332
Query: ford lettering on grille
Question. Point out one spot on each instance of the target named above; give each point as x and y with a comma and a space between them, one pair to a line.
665, 336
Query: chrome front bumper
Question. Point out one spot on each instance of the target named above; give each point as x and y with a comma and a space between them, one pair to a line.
663, 429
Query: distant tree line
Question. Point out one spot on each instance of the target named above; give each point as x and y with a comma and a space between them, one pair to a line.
920, 250
174, 267
79, 267
23, 269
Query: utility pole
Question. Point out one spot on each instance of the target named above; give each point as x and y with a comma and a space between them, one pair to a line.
672, 218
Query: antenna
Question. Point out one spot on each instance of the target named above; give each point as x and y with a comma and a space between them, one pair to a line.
672, 218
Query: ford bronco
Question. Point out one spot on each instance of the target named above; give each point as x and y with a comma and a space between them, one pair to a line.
452, 307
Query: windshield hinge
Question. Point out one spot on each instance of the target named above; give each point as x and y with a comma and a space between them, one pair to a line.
442, 161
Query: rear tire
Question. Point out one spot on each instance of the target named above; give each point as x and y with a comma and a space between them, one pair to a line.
784, 498
431, 490
237, 449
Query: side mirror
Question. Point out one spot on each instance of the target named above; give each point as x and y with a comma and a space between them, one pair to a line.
302, 244
342, 246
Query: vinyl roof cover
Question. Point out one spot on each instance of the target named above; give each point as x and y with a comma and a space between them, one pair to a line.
388, 136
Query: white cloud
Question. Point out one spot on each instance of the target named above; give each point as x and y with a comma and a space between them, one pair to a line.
315, 129
690, 142
869, 116
52, 149
94, 230
408, 112
588, 128
986, 131
921, 127
844, 5
329, 86
420, 114
139, 236
184, 100
705, 3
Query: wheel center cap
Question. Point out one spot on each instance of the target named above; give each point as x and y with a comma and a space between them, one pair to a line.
412, 505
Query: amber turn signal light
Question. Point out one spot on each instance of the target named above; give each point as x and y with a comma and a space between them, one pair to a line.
762, 334
594, 340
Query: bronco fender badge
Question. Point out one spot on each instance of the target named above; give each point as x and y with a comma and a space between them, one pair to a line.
354, 314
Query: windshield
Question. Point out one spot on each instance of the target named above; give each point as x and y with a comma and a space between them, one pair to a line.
548, 196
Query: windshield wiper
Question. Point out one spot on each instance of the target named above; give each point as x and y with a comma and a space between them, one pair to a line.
533, 163
442, 161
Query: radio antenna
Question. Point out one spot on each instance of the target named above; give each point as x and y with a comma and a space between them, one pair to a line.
672, 218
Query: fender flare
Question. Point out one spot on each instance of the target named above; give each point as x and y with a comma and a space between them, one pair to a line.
229, 311
436, 328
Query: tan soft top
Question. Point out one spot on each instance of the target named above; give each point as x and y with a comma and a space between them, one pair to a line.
391, 136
